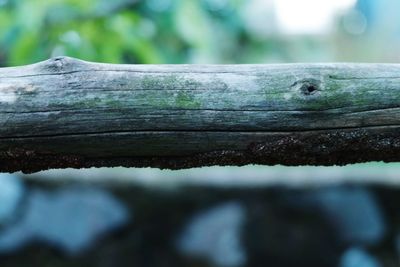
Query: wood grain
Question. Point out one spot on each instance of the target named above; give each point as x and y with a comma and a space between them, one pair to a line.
65, 112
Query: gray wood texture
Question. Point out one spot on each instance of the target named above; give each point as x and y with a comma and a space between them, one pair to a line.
66, 112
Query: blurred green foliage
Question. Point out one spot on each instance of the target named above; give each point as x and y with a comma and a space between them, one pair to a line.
173, 31
126, 31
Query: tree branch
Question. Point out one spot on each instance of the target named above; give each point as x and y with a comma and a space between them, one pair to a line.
65, 112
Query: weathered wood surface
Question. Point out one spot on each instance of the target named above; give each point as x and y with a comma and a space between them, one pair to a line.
65, 112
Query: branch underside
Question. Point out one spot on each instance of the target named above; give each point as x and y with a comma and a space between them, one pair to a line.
69, 113
332, 147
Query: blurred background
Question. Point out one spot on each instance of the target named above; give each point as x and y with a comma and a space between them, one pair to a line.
218, 216
200, 31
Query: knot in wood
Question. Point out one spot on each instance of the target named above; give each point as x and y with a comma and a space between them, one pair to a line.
57, 63
60, 64
308, 86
